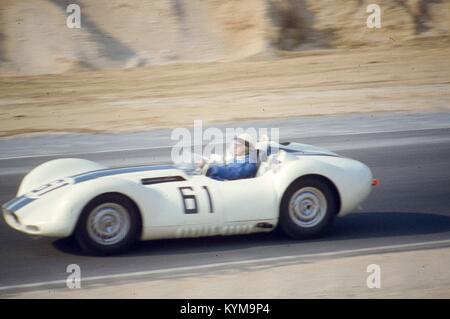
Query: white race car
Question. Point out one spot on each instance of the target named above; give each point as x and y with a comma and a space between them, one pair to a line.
300, 188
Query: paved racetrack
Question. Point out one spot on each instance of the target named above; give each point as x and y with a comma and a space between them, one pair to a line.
412, 204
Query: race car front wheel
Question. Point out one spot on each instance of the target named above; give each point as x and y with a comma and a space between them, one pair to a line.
109, 224
308, 208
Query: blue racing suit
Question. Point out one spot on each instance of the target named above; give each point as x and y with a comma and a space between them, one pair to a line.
237, 169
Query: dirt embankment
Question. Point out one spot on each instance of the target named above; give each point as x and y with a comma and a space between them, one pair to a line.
34, 38
153, 64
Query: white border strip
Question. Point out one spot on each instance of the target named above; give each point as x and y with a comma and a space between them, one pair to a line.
381, 249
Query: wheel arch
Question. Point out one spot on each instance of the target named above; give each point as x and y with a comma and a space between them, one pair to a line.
320, 177
118, 194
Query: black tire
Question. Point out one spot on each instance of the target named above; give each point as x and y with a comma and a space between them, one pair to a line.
290, 225
85, 238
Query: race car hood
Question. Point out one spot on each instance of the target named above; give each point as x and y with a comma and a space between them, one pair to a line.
54, 170
44, 178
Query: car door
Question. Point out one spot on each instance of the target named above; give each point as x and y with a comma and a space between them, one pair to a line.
248, 199
193, 201
200, 201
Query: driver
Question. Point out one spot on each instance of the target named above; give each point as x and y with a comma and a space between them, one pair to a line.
242, 164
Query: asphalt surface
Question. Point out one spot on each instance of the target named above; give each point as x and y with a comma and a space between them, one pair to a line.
412, 204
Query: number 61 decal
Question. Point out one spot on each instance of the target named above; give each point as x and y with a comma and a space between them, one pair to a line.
190, 201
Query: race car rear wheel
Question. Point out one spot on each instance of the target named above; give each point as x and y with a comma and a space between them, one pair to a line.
109, 224
308, 208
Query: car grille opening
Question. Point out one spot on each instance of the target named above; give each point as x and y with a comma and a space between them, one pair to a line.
10, 215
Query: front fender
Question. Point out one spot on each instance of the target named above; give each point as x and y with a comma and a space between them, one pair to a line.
81, 194
56, 213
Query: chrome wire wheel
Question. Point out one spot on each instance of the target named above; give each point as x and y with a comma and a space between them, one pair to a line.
307, 207
108, 224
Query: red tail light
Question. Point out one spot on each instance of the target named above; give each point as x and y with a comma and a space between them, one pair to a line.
375, 182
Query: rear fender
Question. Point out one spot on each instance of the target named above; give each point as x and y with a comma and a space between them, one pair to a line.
351, 178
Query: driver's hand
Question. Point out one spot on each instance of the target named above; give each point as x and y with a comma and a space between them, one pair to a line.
205, 168
216, 159
202, 163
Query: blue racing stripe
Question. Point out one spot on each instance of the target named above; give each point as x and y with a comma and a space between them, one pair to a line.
18, 203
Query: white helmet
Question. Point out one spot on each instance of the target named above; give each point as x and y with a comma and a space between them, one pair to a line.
247, 139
